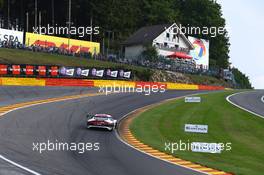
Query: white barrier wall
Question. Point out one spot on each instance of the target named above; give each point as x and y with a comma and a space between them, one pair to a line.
11, 35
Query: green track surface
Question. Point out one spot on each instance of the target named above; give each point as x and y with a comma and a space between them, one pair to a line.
165, 124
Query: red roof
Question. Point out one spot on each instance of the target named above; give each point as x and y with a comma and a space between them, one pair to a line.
180, 55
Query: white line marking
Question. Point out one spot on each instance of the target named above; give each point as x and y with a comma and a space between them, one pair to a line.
19, 166
125, 116
22, 107
228, 99
262, 99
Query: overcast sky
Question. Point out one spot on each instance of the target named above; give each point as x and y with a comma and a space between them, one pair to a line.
245, 24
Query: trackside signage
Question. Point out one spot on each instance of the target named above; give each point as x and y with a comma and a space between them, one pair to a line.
196, 128
206, 147
192, 99
72, 45
11, 36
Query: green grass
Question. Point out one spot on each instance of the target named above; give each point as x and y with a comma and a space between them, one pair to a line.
15, 56
227, 123
28, 57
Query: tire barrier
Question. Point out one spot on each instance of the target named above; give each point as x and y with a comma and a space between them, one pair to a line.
9, 81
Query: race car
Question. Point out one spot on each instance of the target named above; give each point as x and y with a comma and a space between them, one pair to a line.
105, 121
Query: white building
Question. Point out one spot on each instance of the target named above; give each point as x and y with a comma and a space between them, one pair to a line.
167, 39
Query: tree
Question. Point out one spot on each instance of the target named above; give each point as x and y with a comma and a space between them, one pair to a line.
201, 13
241, 79
150, 54
1, 3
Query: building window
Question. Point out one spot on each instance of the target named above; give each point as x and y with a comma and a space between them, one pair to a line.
165, 44
168, 35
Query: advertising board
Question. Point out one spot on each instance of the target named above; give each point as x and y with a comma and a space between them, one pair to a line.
72, 45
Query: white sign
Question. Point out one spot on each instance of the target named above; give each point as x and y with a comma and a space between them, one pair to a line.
127, 74
192, 99
200, 53
114, 73
85, 72
196, 128
206, 147
11, 36
69, 72
100, 73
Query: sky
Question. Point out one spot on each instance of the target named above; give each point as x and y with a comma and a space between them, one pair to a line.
245, 25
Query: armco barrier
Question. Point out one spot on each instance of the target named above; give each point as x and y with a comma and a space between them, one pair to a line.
69, 82
151, 84
22, 81
11, 81
203, 87
178, 86
116, 83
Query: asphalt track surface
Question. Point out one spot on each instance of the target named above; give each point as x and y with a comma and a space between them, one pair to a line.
252, 101
65, 122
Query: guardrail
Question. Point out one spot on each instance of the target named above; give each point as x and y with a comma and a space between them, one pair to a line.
10, 81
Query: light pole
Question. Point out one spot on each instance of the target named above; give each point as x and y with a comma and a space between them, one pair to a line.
27, 21
36, 13
69, 25
8, 14
52, 9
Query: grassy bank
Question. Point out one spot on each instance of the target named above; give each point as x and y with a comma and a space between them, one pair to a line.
15, 56
165, 123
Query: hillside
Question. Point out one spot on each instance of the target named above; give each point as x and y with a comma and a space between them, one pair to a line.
11, 56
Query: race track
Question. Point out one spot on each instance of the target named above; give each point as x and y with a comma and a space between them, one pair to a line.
252, 101
65, 122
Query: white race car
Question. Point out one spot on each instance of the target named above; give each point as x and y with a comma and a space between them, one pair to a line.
105, 121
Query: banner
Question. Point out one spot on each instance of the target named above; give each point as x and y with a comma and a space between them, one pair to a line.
196, 128
29, 70
62, 71
11, 36
82, 72
54, 71
200, 53
3, 69
72, 45
16, 70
